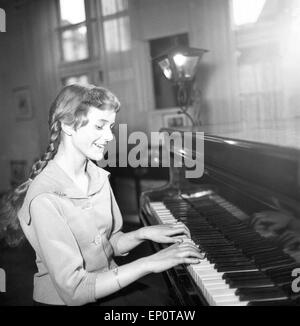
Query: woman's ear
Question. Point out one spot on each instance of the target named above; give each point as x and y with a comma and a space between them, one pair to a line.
68, 130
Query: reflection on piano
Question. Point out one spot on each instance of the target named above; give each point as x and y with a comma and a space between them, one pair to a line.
243, 213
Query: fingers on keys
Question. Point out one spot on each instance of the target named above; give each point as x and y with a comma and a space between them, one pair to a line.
181, 227
189, 247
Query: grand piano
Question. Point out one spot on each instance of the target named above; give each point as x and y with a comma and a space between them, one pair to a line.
243, 213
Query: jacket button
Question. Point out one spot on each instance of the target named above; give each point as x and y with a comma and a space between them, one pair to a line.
97, 239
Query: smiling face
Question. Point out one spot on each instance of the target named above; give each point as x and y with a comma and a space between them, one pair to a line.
91, 139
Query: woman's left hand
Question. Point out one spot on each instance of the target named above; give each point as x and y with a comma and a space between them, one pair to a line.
165, 233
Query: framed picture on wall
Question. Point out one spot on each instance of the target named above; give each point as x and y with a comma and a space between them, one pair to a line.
174, 120
22, 103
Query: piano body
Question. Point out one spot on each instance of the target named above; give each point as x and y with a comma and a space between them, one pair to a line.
244, 214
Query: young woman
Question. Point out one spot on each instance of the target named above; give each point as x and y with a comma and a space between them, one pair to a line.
69, 215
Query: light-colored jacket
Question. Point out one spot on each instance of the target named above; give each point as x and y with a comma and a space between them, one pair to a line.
73, 234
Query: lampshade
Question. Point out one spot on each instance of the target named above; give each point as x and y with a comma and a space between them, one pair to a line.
179, 64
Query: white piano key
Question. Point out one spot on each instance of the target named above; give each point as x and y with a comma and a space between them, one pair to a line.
214, 282
234, 303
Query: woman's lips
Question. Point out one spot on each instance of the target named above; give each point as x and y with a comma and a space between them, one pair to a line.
99, 145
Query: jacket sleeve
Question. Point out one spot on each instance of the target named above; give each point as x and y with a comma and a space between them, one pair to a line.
117, 225
58, 249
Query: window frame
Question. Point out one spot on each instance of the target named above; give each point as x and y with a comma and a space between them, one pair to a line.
117, 14
60, 29
93, 65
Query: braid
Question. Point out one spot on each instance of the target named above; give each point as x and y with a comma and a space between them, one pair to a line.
50, 152
10, 229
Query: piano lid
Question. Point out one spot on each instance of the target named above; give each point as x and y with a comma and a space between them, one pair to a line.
270, 172
283, 133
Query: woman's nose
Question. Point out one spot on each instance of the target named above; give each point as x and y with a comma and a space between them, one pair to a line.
109, 136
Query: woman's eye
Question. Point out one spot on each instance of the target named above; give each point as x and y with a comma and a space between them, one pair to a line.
99, 127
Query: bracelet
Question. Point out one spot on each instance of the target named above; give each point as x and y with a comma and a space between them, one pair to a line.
116, 273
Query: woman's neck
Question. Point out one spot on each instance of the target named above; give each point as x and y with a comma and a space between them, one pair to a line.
77, 173
73, 165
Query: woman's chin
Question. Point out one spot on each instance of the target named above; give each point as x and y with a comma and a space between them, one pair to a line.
96, 157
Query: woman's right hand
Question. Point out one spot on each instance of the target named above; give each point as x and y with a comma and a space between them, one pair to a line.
179, 253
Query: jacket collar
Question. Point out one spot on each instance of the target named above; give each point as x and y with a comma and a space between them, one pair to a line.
66, 187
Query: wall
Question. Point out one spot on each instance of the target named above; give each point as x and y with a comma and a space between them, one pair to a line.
26, 60
208, 24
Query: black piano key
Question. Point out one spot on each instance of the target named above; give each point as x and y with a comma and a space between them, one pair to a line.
272, 265
227, 259
261, 294
244, 275
285, 302
214, 257
250, 283
227, 269
222, 263
288, 267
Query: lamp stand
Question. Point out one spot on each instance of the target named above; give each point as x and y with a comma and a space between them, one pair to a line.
184, 99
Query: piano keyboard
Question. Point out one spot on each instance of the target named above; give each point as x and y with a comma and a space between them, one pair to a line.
238, 269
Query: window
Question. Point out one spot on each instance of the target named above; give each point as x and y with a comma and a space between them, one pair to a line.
247, 12
117, 34
81, 43
86, 30
116, 25
111, 7
74, 16
73, 30
266, 65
